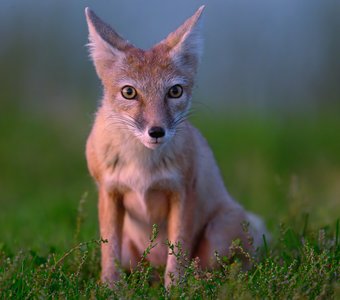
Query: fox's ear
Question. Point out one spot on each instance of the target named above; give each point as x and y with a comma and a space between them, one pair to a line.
105, 45
185, 43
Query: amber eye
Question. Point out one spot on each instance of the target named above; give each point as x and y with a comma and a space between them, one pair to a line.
129, 92
175, 91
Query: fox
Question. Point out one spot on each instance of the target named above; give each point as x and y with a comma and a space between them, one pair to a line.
150, 165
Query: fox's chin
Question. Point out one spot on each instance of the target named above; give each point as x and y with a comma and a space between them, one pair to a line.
153, 144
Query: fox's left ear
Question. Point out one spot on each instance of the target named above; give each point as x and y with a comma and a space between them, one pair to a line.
185, 43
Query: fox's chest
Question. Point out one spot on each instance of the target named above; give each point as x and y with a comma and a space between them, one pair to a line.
150, 208
146, 189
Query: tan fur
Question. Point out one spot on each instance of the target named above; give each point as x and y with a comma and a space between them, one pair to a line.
172, 181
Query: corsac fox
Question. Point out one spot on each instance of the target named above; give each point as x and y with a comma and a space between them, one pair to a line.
150, 164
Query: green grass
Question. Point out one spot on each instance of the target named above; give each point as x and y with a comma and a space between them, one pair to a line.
285, 169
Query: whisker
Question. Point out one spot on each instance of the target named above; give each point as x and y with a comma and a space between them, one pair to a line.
126, 122
180, 119
201, 105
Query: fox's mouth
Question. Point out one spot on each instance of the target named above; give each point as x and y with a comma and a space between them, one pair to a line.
154, 143
157, 141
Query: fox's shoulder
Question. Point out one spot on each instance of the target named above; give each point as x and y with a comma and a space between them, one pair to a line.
99, 145
198, 139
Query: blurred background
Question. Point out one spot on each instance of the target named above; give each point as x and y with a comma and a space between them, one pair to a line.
267, 99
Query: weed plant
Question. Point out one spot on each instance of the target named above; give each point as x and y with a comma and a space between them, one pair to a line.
296, 265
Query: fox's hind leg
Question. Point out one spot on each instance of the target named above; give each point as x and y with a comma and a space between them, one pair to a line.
222, 230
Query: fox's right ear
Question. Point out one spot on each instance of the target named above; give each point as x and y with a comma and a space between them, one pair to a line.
105, 45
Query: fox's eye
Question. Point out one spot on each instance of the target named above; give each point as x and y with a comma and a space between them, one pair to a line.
175, 91
129, 92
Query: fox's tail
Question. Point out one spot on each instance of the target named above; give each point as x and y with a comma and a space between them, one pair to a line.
257, 229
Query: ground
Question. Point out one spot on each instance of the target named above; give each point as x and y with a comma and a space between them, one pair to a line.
284, 168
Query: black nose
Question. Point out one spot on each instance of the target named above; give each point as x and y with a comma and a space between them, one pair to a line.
156, 132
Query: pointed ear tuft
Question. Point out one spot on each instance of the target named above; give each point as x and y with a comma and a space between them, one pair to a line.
105, 45
185, 43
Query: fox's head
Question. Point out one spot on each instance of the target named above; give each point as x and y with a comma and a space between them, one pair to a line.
146, 92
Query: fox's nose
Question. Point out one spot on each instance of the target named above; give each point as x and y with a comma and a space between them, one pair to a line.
156, 132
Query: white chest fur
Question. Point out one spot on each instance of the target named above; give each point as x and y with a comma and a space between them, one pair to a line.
146, 179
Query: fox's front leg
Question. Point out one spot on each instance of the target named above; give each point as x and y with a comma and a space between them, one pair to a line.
111, 216
180, 225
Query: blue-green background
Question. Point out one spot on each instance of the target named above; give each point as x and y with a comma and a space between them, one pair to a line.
267, 99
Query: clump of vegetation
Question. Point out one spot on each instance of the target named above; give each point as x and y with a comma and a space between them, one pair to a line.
296, 265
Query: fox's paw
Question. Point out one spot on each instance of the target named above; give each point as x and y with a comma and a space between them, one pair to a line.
110, 277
